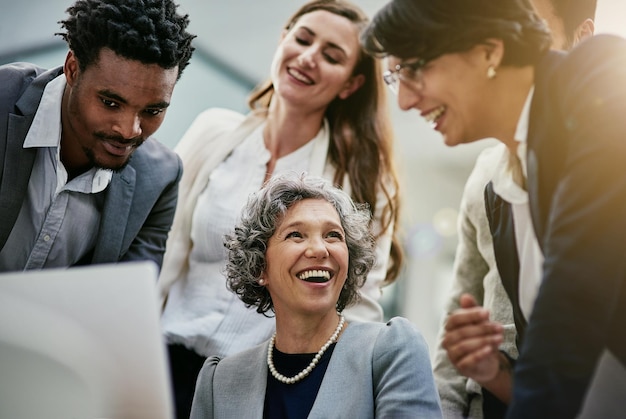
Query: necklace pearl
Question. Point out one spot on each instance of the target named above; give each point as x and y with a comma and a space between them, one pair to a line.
299, 376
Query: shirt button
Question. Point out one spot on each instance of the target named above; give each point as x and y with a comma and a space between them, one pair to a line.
46, 238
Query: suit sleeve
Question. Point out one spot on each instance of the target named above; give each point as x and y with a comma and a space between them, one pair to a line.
583, 288
403, 380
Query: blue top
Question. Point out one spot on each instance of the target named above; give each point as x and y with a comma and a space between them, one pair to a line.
291, 401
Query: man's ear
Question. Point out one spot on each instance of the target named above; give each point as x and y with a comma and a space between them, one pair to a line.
584, 31
71, 68
352, 86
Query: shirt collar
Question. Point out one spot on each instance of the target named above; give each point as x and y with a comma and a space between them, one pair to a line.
521, 132
45, 131
502, 178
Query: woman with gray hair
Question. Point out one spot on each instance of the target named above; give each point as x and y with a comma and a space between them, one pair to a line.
301, 250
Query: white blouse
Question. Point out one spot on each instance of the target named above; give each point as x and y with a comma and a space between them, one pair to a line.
201, 312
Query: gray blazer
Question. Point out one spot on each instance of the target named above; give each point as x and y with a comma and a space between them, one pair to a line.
138, 205
377, 370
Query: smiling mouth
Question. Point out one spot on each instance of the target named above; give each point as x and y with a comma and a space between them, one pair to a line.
296, 74
315, 275
119, 149
432, 116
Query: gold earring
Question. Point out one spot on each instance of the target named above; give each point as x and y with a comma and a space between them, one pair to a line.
491, 72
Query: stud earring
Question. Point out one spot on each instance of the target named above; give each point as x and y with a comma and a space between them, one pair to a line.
261, 282
491, 72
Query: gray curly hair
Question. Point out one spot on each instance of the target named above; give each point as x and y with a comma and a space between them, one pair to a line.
265, 211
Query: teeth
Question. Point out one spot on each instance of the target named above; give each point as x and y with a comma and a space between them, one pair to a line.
435, 114
299, 76
315, 273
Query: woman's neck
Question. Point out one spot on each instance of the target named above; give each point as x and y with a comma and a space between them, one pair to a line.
515, 85
288, 129
304, 334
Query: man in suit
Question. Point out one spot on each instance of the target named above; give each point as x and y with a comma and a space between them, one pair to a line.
82, 180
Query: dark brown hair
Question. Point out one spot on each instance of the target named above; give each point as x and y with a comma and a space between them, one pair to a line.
361, 135
427, 29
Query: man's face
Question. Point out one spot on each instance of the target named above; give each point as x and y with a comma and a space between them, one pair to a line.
110, 108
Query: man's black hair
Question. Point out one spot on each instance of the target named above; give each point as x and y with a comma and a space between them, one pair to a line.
150, 31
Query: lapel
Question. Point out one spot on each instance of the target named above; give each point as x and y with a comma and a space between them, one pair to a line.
251, 381
543, 155
333, 386
18, 162
17, 165
117, 205
211, 153
502, 228
349, 375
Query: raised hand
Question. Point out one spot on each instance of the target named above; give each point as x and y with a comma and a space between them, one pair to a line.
472, 341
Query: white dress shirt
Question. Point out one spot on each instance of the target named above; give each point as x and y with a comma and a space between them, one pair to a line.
201, 313
528, 250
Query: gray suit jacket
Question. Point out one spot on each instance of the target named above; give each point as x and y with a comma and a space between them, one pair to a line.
138, 205
377, 370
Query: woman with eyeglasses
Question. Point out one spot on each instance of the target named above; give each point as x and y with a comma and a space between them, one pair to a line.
301, 251
484, 69
322, 111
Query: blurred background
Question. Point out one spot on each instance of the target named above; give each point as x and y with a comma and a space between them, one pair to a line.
234, 47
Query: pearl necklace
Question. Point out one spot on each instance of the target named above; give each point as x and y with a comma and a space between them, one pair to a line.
309, 368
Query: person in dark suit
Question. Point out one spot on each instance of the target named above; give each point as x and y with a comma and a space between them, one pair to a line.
300, 253
484, 69
507, 295
75, 185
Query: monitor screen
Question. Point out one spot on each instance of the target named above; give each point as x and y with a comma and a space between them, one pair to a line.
83, 342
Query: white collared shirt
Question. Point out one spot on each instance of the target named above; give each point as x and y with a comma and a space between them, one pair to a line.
528, 250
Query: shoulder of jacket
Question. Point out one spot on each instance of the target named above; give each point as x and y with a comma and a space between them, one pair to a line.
208, 126
156, 161
219, 117
472, 199
16, 80
152, 149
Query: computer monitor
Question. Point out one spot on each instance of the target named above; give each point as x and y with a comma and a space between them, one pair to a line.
83, 342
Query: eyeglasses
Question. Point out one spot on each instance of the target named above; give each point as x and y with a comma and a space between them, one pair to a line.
407, 72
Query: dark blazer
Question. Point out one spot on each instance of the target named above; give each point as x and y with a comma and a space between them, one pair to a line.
502, 228
577, 196
138, 205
